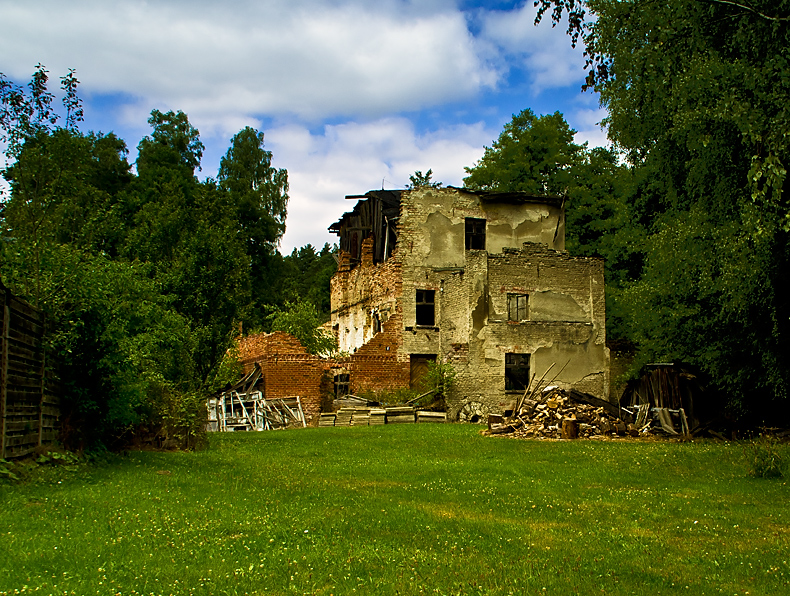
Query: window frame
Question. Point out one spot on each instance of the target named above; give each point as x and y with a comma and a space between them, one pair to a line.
424, 300
515, 297
517, 370
339, 382
474, 236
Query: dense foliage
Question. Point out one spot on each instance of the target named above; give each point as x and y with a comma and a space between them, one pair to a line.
146, 276
697, 92
302, 320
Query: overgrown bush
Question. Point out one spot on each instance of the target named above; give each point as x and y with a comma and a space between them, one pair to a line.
182, 418
764, 457
440, 379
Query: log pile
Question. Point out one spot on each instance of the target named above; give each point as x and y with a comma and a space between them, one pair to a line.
555, 413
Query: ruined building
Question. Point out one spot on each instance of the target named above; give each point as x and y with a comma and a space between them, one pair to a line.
477, 279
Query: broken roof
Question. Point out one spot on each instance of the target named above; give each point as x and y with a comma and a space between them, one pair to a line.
391, 200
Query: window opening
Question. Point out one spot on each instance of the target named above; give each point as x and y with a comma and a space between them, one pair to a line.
475, 234
376, 323
425, 307
517, 307
516, 372
342, 383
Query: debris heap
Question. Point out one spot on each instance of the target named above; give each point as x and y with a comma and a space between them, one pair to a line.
556, 413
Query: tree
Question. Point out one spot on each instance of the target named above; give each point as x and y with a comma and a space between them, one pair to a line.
194, 237
532, 154
257, 194
260, 191
114, 338
301, 320
25, 115
420, 180
174, 141
144, 277
305, 274
697, 92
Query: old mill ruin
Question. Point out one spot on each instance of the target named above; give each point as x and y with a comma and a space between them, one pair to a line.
478, 280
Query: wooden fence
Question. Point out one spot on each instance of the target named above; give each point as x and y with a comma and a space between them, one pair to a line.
29, 405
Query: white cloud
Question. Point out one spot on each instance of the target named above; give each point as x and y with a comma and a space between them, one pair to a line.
294, 65
309, 59
587, 123
547, 55
353, 158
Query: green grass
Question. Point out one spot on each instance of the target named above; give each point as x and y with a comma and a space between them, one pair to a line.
406, 509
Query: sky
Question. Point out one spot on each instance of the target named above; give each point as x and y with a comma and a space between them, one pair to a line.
351, 95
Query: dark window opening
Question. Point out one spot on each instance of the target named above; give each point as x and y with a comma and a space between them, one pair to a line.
517, 307
342, 383
516, 372
376, 323
475, 234
425, 307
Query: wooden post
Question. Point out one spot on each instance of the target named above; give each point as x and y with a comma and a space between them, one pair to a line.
4, 371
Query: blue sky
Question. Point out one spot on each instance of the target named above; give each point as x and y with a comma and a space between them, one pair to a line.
350, 94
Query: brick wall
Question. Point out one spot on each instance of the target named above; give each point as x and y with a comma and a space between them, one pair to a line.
379, 364
288, 369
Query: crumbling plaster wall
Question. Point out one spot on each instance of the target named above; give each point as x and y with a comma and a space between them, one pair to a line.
566, 323
432, 226
565, 327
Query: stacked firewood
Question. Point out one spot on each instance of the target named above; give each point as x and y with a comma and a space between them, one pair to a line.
555, 413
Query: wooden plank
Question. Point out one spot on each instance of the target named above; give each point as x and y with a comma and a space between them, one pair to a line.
50, 436
26, 326
29, 409
24, 308
24, 353
18, 426
24, 373
42, 382
20, 401
22, 339
25, 368
26, 439
19, 381
20, 451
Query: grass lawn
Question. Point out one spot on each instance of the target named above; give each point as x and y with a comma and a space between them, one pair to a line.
401, 509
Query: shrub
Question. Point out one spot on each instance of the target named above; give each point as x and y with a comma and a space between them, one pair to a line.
183, 417
764, 458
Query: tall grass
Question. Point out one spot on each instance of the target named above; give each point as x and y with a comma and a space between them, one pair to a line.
401, 509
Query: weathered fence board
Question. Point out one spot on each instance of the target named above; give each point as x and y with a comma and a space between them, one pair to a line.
29, 408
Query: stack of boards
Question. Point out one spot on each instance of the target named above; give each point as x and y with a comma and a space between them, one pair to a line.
367, 416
